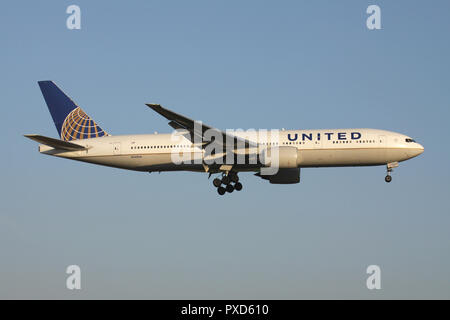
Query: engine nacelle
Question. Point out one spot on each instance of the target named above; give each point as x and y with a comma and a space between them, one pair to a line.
281, 157
284, 176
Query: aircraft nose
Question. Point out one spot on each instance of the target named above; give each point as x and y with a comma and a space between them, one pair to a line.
421, 148
417, 151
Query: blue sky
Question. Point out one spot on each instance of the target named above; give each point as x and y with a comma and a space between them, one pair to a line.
231, 64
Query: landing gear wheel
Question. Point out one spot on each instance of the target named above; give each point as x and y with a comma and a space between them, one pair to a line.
229, 188
233, 177
217, 182
221, 190
389, 168
238, 186
226, 180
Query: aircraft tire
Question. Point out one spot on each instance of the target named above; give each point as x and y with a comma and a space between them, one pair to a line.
217, 182
225, 180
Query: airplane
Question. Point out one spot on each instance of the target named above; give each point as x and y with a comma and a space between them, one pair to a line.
194, 146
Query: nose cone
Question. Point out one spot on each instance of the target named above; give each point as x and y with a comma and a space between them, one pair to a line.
416, 151
421, 148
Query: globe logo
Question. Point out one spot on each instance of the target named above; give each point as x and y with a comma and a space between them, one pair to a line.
78, 125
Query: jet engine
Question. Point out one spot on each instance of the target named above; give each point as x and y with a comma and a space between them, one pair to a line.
283, 176
281, 157
286, 159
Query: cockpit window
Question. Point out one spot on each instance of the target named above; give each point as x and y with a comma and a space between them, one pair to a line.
409, 140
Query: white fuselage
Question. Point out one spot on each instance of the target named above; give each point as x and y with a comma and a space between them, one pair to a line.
316, 148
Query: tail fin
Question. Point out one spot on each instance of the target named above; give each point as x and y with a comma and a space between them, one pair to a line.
70, 120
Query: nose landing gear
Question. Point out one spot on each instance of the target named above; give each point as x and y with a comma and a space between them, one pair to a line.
228, 183
389, 168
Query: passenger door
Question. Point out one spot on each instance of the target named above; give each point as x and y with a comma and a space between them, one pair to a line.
382, 152
116, 148
382, 141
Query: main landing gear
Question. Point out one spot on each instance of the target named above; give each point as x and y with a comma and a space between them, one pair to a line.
389, 168
228, 183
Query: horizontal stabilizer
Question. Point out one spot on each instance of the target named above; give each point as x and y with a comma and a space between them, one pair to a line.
55, 143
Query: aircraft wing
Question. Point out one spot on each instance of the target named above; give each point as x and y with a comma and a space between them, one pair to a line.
198, 129
55, 143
